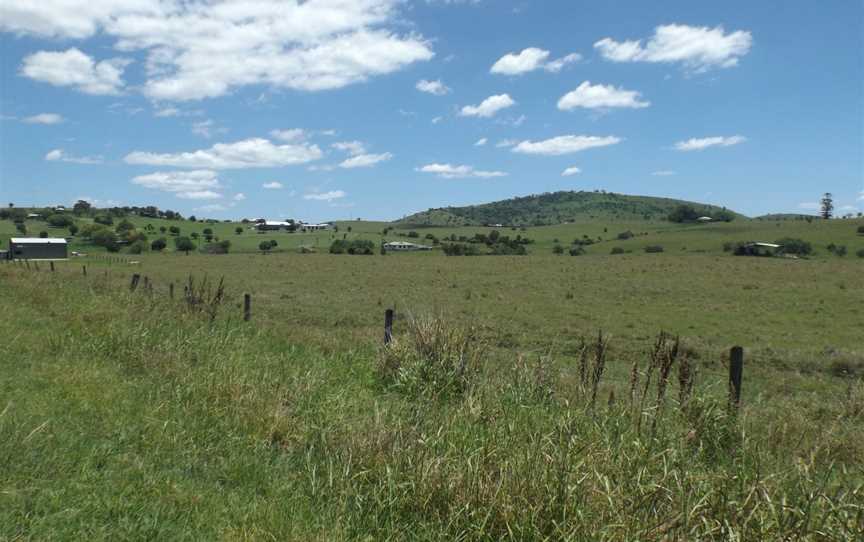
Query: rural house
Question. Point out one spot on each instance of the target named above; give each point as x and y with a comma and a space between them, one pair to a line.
37, 248
404, 246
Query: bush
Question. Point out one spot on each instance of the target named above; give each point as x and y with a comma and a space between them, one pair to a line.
137, 247
60, 221
105, 220
21, 228
433, 360
790, 245
860, 253
174, 230
577, 251
617, 250
558, 249
238, 230
460, 249
356, 246
221, 247
623, 236
43, 234
683, 213
860, 230
73, 229
184, 244
837, 250
159, 244
653, 249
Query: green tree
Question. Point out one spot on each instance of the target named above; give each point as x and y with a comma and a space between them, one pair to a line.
158, 245
174, 230
58, 220
827, 206
238, 230
21, 228
184, 244
81, 207
264, 247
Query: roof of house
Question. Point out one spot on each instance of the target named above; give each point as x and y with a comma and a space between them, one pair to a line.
767, 245
38, 240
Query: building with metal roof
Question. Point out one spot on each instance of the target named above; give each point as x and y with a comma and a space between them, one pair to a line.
38, 248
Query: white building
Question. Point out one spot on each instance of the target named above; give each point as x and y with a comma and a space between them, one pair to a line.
399, 246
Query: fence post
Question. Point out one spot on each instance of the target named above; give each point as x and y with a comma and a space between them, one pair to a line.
736, 370
247, 307
388, 326
134, 284
171, 290
51, 264
84, 270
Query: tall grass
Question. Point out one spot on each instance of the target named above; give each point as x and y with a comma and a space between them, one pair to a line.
126, 416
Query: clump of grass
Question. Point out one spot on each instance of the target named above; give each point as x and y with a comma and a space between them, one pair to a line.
433, 358
203, 296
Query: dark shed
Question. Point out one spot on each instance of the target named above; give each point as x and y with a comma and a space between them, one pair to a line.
37, 248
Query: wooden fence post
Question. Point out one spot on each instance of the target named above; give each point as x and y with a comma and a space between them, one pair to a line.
388, 326
51, 264
84, 270
171, 290
247, 307
134, 284
736, 371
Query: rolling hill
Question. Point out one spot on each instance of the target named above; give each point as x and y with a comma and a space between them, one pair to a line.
556, 208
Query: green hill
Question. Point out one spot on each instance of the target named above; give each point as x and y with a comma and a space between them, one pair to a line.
556, 208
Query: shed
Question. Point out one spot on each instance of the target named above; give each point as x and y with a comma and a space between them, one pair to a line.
37, 248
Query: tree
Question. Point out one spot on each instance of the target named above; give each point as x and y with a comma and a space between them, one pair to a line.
59, 221
73, 229
264, 246
81, 207
104, 219
238, 230
184, 244
192, 218
175, 230
158, 245
22, 229
827, 209
683, 213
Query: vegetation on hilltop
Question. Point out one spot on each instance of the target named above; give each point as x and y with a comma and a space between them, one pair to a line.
558, 208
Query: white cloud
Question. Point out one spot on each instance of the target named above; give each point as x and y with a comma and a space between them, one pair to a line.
351, 147
44, 118
433, 87
566, 144
167, 112
698, 48
206, 128
570, 171
239, 197
365, 160
531, 59
198, 49
663, 173
447, 171
861, 197
600, 97
326, 196
72, 68
506, 143
480, 142
436, 120
291, 135
488, 107
59, 155
248, 153
196, 184
706, 142
273, 185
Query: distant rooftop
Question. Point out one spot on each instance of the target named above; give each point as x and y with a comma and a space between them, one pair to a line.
38, 240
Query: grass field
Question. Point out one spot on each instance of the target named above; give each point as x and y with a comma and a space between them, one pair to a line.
128, 416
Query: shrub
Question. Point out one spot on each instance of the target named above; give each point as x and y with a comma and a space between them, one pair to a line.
617, 250
653, 249
413, 234
860, 230
790, 245
558, 249
60, 221
837, 250
184, 244
460, 249
174, 230
860, 253
623, 236
683, 213
221, 247
577, 251
159, 244
21, 228
73, 229
137, 247
238, 230
433, 359
356, 246
43, 234
105, 220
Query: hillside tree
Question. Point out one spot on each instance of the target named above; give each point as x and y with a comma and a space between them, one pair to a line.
827, 207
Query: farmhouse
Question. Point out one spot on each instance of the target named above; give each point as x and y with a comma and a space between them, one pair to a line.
404, 246
755, 248
275, 225
314, 227
36, 248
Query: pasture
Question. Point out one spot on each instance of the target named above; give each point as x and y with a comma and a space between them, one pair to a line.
128, 415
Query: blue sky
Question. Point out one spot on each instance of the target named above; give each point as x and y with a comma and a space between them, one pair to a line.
332, 109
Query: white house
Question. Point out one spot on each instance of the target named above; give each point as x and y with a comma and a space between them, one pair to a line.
404, 246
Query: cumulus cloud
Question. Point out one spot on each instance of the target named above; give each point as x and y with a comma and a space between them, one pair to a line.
291, 135
699, 144
488, 107
433, 87
365, 160
351, 147
72, 68
480, 142
570, 171
448, 171
44, 118
698, 48
59, 155
566, 144
197, 49
248, 153
325, 196
195, 185
531, 59
273, 185
599, 96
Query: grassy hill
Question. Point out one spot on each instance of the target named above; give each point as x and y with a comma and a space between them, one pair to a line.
556, 208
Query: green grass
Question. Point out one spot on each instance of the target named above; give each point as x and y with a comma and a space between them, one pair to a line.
125, 416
